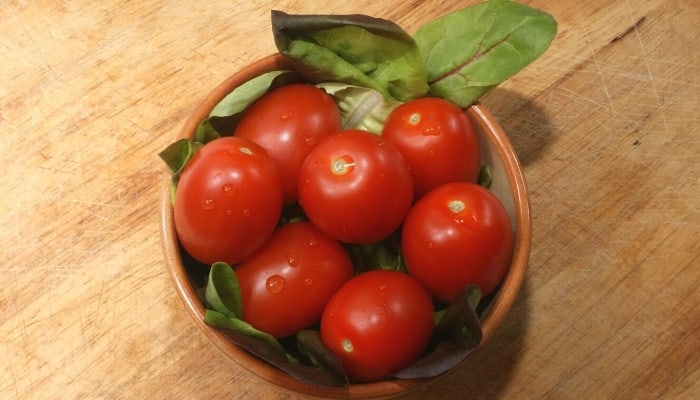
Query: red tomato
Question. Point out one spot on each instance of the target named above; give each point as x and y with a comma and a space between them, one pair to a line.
378, 323
287, 123
286, 284
228, 201
438, 141
458, 233
355, 186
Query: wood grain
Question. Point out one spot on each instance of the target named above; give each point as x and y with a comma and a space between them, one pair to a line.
606, 124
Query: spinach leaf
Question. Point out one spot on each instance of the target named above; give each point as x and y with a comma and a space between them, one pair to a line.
469, 51
354, 49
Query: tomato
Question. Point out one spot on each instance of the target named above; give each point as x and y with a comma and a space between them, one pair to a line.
438, 141
355, 186
286, 284
287, 123
228, 200
458, 233
378, 323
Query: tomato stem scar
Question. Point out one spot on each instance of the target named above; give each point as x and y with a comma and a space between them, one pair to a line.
342, 165
456, 206
347, 345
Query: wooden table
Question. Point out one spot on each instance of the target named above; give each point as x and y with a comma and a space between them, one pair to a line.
606, 125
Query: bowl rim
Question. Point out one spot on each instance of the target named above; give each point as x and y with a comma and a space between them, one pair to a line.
499, 308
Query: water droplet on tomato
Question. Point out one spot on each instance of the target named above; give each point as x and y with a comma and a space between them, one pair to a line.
431, 130
311, 243
229, 212
431, 245
308, 281
310, 141
286, 116
245, 212
229, 190
275, 284
207, 204
292, 261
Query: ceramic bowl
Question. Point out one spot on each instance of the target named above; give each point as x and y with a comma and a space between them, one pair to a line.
508, 185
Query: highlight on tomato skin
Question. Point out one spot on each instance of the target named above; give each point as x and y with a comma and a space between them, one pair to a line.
228, 201
457, 234
356, 187
378, 323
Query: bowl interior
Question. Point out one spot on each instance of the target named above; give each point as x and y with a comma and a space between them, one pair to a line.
508, 185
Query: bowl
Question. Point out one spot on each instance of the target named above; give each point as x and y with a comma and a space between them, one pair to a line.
508, 184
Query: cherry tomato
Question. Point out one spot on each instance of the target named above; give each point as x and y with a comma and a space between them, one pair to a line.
287, 123
458, 233
228, 201
355, 186
438, 141
286, 284
378, 323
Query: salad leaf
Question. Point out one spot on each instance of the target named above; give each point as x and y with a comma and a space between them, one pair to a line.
177, 154
224, 311
360, 107
457, 334
310, 344
226, 113
271, 349
485, 176
385, 254
469, 51
354, 49
223, 294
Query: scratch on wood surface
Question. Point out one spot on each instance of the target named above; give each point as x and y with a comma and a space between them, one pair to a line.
44, 60
629, 30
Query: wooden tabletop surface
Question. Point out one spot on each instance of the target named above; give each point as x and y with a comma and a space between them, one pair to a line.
606, 125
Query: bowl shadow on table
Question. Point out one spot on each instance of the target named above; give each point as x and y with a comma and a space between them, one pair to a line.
524, 121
